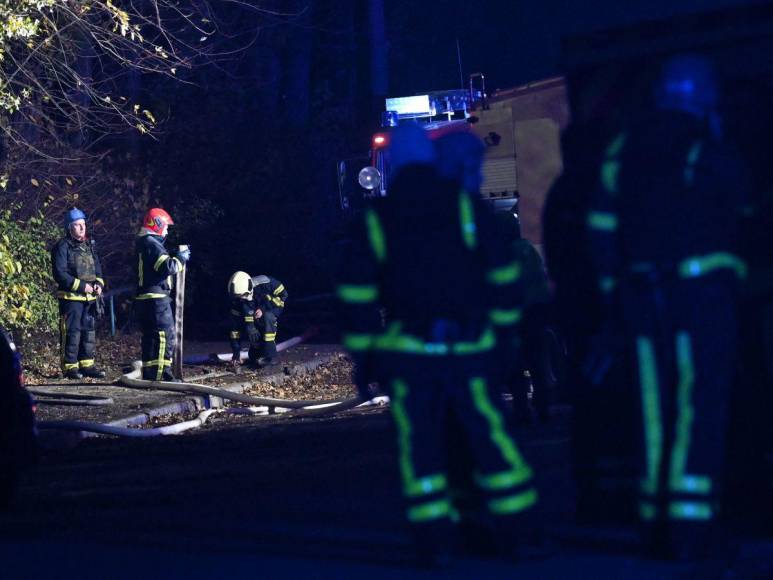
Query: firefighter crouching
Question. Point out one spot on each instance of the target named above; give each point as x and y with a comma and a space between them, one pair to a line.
256, 304
78, 274
426, 256
155, 272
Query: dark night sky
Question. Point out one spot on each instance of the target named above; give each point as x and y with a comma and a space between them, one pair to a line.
511, 42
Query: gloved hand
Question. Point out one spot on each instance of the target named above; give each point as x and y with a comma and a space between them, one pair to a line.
184, 255
253, 335
605, 348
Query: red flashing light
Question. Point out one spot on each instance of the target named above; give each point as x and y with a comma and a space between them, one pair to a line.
379, 140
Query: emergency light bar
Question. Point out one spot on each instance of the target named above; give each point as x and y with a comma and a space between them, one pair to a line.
429, 105
406, 106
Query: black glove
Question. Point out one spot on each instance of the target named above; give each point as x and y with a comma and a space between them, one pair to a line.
253, 335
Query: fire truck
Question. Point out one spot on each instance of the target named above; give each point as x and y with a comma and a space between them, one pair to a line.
521, 128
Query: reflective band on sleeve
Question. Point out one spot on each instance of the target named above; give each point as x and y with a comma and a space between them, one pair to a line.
603, 221
513, 504
101, 281
505, 274
161, 259
610, 170
279, 289
702, 265
505, 317
358, 342
269, 337
77, 297
467, 221
690, 510
75, 284
357, 294
249, 319
430, 511
504, 479
653, 426
150, 296
235, 334
376, 235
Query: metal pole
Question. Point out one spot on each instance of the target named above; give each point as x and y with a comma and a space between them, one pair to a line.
179, 301
112, 316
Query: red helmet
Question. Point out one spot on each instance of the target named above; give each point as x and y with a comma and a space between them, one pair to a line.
156, 221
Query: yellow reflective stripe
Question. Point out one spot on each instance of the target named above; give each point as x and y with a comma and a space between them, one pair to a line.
235, 334
70, 366
101, 281
75, 284
702, 265
602, 221
87, 362
504, 317
161, 259
653, 426
467, 220
278, 301
150, 296
269, 336
77, 297
357, 342
690, 510
249, 319
504, 274
514, 503
357, 294
161, 348
279, 289
430, 511
376, 235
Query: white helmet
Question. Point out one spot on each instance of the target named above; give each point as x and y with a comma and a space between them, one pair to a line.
240, 286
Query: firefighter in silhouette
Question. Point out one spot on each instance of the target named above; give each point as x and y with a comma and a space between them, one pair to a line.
78, 275
662, 226
256, 304
155, 274
427, 256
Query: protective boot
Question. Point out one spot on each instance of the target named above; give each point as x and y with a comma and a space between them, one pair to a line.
92, 372
73, 374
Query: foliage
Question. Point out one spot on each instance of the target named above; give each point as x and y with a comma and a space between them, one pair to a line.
27, 301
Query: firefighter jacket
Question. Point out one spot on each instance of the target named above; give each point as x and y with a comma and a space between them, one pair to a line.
668, 204
269, 295
155, 268
426, 273
76, 264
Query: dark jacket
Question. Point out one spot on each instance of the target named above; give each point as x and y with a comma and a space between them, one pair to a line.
76, 264
155, 268
269, 295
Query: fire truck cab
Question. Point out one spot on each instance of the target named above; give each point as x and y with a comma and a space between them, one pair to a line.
521, 128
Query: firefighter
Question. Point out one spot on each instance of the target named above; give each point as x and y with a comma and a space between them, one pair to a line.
426, 257
78, 274
155, 272
662, 225
256, 304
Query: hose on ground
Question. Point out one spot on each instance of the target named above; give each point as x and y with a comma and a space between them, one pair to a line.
69, 399
127, 431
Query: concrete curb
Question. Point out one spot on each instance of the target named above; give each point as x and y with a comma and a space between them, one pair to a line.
198, 403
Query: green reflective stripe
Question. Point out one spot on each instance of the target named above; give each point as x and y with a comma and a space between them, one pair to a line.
690, 510
505, 274
357, 294
505, 317
616, 146
486, 342
412, 486
161, 259
161, 349
653, 427
358, 342
647, 511
678, 479
520, 469
702, 265
607, 284
430, 511
504, 479
514, 503
376, 235
603, 221
467, 220
610, 170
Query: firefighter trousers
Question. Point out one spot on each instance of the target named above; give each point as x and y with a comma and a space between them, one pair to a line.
683, 335
77, 335
158, 337
424, 393
267, 326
